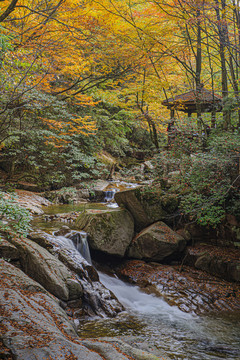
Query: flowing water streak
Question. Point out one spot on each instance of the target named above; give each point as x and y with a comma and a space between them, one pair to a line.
79, 239
76, 240
109, 195
137, 301
180, 335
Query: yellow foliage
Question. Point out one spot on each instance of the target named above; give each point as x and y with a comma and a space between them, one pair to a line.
133, 47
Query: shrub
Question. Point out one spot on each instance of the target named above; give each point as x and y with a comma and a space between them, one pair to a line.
206, 180
13, 217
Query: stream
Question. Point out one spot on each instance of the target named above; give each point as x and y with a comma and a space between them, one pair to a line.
154, 325
150, 323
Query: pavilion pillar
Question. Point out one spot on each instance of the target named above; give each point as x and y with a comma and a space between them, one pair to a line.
213, 120
171, 128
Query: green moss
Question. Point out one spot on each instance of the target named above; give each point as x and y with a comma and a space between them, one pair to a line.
169, 202
236, 230
101, 222
151, 195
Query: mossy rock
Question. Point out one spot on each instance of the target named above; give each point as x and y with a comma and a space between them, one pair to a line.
144, 205
149, 194
156, 243
109, 231
170, 202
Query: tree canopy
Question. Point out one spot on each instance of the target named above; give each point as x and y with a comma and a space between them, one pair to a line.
69, 67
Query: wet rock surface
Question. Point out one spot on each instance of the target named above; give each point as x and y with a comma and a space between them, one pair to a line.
32, 201
46, 269
190, 289
219, 261
110, 231
97, 300
156, 243
34, 327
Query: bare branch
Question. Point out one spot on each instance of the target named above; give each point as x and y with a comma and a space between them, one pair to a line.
8, 11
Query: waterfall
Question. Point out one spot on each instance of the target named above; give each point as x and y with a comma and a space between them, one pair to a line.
109, 195
76, 240
137, 301
79, 239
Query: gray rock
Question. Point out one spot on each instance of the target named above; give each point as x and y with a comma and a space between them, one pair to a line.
8, 251
66, 252
219, 267
96, 297
35, 327
145, 210
32, 201
156, 243
63, 231
46, 269
223, 262
110, 231
69, 195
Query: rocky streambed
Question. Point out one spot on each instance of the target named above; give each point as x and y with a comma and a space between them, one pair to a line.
53, 305
49, 287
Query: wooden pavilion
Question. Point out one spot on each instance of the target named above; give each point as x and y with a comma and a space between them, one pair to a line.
187, 102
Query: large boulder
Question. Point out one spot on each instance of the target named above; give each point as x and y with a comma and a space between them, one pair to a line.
110, 231
97, 300
32, 201
147, 205
33, 325
222, 262
46, 269
156, 243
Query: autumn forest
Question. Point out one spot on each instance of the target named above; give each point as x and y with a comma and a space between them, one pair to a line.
79, 78
119, 179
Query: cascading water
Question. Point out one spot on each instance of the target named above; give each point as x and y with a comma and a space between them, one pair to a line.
165, 329
151, 323
137, 301
75, 240
109, 195
79, 239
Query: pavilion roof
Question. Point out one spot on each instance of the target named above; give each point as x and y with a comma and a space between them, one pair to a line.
187, 101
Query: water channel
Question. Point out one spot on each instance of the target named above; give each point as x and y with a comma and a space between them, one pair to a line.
149, 323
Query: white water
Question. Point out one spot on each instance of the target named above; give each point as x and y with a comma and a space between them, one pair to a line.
181, 336
109, 195
64, 242
79, 239
75, 241
137, 301
115, 187
151, 322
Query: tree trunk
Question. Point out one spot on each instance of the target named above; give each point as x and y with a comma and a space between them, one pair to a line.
222, 47
198, 76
